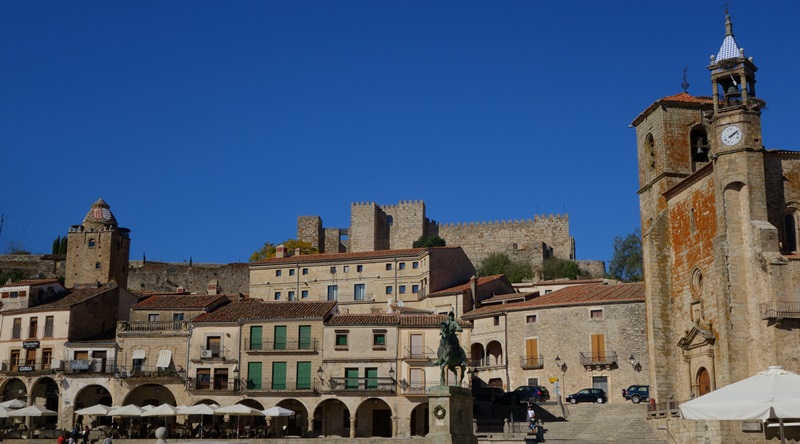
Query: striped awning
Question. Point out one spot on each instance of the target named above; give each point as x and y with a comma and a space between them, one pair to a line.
138, 354
164, 358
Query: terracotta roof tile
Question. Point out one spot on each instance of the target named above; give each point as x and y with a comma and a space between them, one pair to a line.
401, 320
408, 252
408, 310
253, 309
580, 295
680, 98
189, 301
73, 297
30, 282
460, 288
499, 298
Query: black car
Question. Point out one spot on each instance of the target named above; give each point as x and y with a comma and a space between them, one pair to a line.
588, 395
530, 393
636, 393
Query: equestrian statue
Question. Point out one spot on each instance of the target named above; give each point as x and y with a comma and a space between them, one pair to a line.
450, 354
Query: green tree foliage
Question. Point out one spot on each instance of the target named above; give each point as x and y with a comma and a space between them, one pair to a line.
559, 268
13, 275
268, 250
429, 241
626, 265
500, 263
60, 245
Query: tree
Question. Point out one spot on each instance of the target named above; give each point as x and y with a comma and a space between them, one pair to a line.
268, 250
60, 245
627, 265
500, 263
429, 241
16, 247
554, 268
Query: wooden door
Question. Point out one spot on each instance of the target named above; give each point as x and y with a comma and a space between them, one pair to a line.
703, 382
532, 352
416, 346
598, 348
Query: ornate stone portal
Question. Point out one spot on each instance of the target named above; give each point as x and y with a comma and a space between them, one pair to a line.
450, 416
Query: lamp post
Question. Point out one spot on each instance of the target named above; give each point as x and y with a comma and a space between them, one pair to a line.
236, 382
635, 364
563, 367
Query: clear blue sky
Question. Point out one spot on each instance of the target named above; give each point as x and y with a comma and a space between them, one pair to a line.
210, 126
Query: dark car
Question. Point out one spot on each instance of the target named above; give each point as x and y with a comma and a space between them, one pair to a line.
588, 395
529, 393
636, 393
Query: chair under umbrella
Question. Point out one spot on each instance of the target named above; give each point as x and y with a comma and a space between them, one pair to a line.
238, 410
199, 409
277, 411
129, 410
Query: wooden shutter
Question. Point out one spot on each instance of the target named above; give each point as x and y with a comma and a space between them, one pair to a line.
417, 377
304, 375
351, 378
280, 337
256, 335
254, 375
372, 378
279, 376
598, 348
416, 346
304, 335
532, 352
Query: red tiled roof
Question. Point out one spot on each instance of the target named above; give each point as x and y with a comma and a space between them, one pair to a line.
73, 297
591, 294
250, 309
680, 98
341, 257
30, 282
408, 310
505, 297
422, 320
402, 320
189, 301
460, 288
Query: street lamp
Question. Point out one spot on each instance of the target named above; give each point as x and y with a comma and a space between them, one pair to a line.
635, 364
391, 373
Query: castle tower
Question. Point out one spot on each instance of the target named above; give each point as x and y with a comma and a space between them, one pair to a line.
98, 249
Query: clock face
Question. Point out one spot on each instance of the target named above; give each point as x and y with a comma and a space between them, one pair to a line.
731, 135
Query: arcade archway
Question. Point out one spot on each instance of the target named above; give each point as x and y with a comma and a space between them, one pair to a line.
374, 418
332, 417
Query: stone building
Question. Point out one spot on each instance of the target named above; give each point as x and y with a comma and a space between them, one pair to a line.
393, 227
720, 218
593, 329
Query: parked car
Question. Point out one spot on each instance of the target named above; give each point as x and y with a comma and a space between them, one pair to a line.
588, 395
636, 393
529, 393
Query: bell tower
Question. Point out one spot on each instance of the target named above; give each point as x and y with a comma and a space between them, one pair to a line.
98, 249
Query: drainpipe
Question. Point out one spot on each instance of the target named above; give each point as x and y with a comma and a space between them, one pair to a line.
188, 348
394, 296
505, 355
297, 279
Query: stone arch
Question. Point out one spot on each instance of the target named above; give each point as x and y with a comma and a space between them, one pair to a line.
494, 353
699, 151
374, 418
92, 395
152, 394
297, 424
332, 417
477, 354
788, 228
703, 381
419, 420
14, 388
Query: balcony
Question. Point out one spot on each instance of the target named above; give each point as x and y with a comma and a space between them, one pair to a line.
418, 354
594, 360
487, 363
268, 386
779, 310
531, 362
21, 367
307, 346
152, 326
215, 356
150, 372
213, 385
89, 366
362, 385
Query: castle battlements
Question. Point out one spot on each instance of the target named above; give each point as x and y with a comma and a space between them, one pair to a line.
536, 219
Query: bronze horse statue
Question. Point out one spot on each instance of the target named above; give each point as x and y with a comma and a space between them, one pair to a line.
450, 355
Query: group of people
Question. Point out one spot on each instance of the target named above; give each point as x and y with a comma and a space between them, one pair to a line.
79, 435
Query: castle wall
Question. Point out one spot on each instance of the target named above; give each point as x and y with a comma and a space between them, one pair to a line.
309, 229
159, 276
408, 223
33, 266
362, 234
333, 241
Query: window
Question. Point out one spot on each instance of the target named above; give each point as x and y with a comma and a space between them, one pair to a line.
388, 267
346, 268
48, 326
203, 378
47, 358
389, 220
14, 360
152, 317
402, 289
415, 265
305, 271
280, 337
351, 378
304, 335
359, 292
514, 246
548, 291
279, 376
304, 294
304, 375
291, 295
532, 352
379, 340
277, 295
333, 270
402, 265
91, 243
214, 343
530, 319
291, 272
359, 268
33, 327
333, 292
177, 316
14, 294
388, 289
254, 375
598, 348
497, 320
596, 314
341, 340
97, 265
415, 288
277, 273
371, 375
256, 336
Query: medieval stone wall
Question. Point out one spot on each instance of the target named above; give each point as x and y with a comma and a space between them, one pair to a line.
309, 229
160, 276
32, 266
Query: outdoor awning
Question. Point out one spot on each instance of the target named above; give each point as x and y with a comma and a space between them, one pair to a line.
164, 358
138, 354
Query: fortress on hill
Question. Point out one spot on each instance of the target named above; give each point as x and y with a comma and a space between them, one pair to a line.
391, 227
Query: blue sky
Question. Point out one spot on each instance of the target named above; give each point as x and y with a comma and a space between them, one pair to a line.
210, 126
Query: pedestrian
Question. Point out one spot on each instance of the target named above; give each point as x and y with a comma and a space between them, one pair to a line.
107, 440
531, 419
85, 435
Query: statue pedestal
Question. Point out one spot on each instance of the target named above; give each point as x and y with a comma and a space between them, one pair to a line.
450, 416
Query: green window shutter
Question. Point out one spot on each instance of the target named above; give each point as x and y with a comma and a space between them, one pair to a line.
351, 378
279, 376
305, 337
304, 375
280, 337
255, 337
254, 375
372, 378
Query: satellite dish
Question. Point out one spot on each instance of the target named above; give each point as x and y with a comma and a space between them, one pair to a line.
400, 304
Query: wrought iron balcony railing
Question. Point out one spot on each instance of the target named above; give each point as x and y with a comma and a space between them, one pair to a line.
152, 326
279, 386
591, 358
531, 362
306, 345
89, 366
363, 384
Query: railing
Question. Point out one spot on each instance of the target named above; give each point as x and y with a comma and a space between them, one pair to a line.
529, 362
16, 333
152, 326
664, 409
280, 386
225, 384
420, 353
597, 359
423, 388
25, 366
362, 384
422, 294
141, 371
780, 310
89, 366
310, 345
485, 362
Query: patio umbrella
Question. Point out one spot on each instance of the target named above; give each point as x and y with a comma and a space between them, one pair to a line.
3, 412
238, 410
13, 404
771, 394
277, 411
95, 410
125, 410
199, 409
32, 410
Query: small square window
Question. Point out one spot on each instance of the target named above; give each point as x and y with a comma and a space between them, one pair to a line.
402, 265
305, 270
97, 265
304, 294
152, 317
388, 267
291, 295
277, 272
415, 288
388, 289
596, 314
530, 319
333, 270
415, 265
177, 316
548, 291
379, 340
497, 320
346, 268
291, 272
359, 268
341, 341
277, 295
402, 289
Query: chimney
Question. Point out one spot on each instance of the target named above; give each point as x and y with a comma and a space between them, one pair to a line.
473, 287
280, 251
297, 252
213, 287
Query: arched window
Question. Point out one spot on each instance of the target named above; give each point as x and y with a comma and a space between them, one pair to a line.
389, 220
698, 139
789, 233
650, 146
91, 243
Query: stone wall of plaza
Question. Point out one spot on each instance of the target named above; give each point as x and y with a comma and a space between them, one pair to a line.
168, 276
565, 332
33, 266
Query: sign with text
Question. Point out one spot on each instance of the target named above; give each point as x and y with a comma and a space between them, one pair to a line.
26, 368
30, 344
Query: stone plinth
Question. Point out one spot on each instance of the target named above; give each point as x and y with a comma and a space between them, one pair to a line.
450, 416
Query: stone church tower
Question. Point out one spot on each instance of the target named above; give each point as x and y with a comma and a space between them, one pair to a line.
97, 250
719, 229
